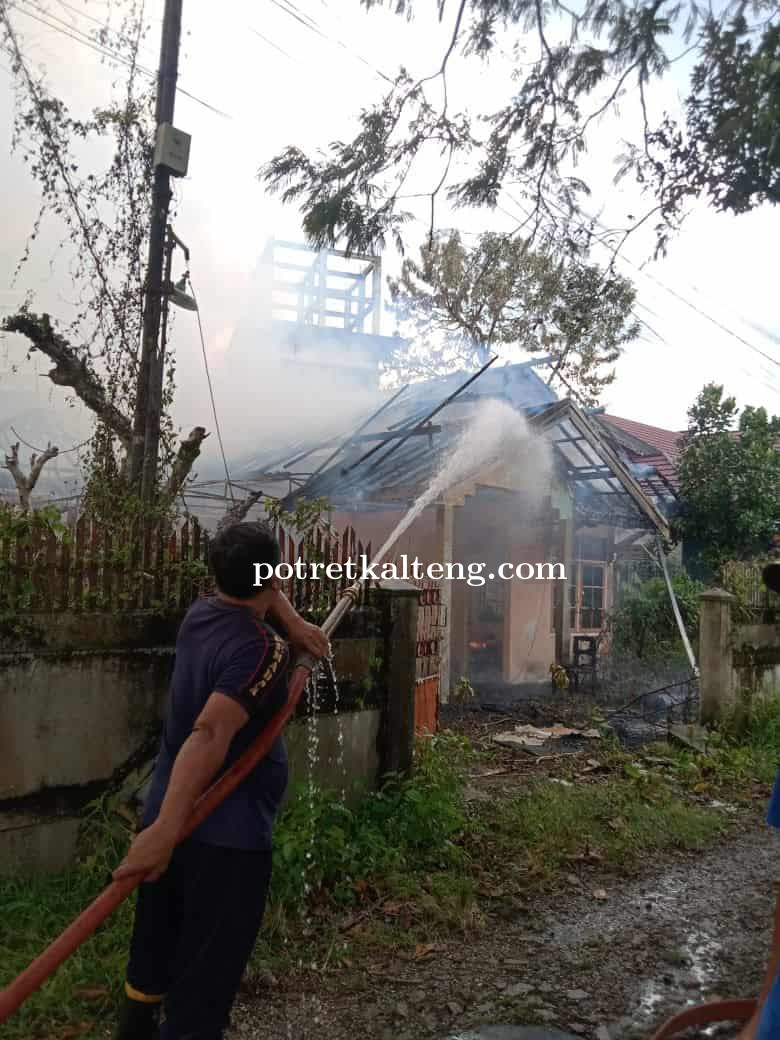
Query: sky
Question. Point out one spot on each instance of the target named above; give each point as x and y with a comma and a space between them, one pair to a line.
708, 308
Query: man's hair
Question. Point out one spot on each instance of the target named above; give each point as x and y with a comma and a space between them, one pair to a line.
234, 553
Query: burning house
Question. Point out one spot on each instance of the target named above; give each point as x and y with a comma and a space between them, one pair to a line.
558, 493
542, 483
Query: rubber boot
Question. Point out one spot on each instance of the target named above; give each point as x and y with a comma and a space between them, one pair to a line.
138, 1021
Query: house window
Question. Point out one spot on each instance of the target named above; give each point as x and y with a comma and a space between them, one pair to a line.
586, 597
591, 595
591, 547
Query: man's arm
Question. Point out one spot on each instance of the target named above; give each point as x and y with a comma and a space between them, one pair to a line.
301, 634
197, 762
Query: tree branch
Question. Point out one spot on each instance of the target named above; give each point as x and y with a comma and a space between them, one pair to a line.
239, 510
26, 484
70, 369
189, 450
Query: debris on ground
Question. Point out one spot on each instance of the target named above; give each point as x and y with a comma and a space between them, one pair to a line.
529, 737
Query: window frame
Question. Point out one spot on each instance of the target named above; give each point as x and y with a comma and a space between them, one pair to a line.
577, 607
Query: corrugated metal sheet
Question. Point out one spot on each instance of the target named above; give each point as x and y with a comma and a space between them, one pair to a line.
366, 472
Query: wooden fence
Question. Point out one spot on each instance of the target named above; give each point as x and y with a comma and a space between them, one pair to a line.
318, 595
147, 565
143, 565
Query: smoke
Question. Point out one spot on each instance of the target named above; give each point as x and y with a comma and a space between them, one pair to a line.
495, 436
273, 394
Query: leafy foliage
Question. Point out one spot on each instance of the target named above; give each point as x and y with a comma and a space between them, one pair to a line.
407, 825
729, 479
729, 149
643, 625
503, 292
584, 62
104, 217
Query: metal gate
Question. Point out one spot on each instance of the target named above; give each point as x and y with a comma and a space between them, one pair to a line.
431, 622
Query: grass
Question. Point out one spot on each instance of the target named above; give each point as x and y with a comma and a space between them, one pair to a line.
616, 822
35, 910
406, 867
738, 755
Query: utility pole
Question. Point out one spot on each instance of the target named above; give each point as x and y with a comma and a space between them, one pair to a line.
148, 406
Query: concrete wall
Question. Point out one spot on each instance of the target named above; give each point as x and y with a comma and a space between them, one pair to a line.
737, 663
757, 658
72, 720
350, 764
422, 538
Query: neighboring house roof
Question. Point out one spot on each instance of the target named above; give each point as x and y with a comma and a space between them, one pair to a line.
648, 445
664, 442
383, 462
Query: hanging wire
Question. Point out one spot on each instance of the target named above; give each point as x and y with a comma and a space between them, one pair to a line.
211, 390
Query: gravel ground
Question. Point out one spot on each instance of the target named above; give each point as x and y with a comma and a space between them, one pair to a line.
605, 967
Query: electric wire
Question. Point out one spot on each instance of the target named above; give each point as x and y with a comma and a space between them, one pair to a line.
211, 390
275, 46
66, 29
62, 451
309, 23
660, 284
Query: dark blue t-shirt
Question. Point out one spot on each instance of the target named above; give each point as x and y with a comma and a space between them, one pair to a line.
226, 649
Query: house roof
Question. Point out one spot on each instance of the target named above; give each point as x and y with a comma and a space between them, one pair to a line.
663, 442
647, 445
395, 453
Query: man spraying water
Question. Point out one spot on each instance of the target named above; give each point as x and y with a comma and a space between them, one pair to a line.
200, 907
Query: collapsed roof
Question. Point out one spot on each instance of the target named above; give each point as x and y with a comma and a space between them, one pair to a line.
395, 452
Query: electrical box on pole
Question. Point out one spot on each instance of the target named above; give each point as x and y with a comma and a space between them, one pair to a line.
172, 150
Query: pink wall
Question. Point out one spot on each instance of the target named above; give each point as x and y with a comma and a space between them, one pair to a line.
421, 539
530, 637
485, 533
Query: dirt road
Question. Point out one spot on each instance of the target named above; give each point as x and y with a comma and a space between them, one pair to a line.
610, 965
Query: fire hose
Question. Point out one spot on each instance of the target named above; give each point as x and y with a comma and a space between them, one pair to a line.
82, 927
744, 1012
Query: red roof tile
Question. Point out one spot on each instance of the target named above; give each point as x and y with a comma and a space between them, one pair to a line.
660, 450
667, 442
663, 446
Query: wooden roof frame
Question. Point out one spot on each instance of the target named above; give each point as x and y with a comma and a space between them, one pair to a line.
568, 410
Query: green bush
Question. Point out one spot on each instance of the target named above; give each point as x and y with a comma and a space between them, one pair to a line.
643, 625
408, 825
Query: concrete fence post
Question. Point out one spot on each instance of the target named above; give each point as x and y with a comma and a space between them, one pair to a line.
716, 682
398, 604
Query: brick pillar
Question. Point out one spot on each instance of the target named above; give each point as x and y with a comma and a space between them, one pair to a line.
398, 604
446, 528
716, 683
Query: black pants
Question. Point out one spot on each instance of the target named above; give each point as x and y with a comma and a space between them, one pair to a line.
193, 934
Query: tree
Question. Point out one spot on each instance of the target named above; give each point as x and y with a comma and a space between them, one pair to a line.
584, 62
105, 218
465, 302
729, 149
729, 478
25, 482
